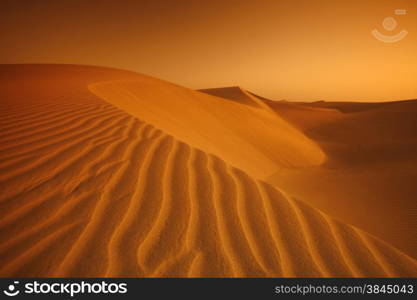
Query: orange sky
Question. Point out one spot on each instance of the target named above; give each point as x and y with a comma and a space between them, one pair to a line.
292, 49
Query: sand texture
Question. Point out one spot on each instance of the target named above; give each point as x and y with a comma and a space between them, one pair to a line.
110, 173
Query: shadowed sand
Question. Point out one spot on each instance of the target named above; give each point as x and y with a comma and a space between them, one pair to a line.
89, 189
369, 177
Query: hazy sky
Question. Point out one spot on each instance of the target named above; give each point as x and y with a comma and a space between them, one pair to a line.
292, 49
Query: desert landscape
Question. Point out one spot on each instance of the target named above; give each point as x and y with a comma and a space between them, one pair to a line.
111, 173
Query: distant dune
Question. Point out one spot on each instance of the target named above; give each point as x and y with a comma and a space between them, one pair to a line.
123, 181
348, 107
237, 94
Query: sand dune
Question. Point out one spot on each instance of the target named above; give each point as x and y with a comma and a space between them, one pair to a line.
238, 133
304, 117
372, 154
89, 189
369, 176
237, 94
349, 107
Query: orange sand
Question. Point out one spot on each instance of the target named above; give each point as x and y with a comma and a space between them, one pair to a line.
110, 173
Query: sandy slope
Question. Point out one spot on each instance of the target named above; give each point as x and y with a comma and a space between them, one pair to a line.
90, 190
238, 133
369, 178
